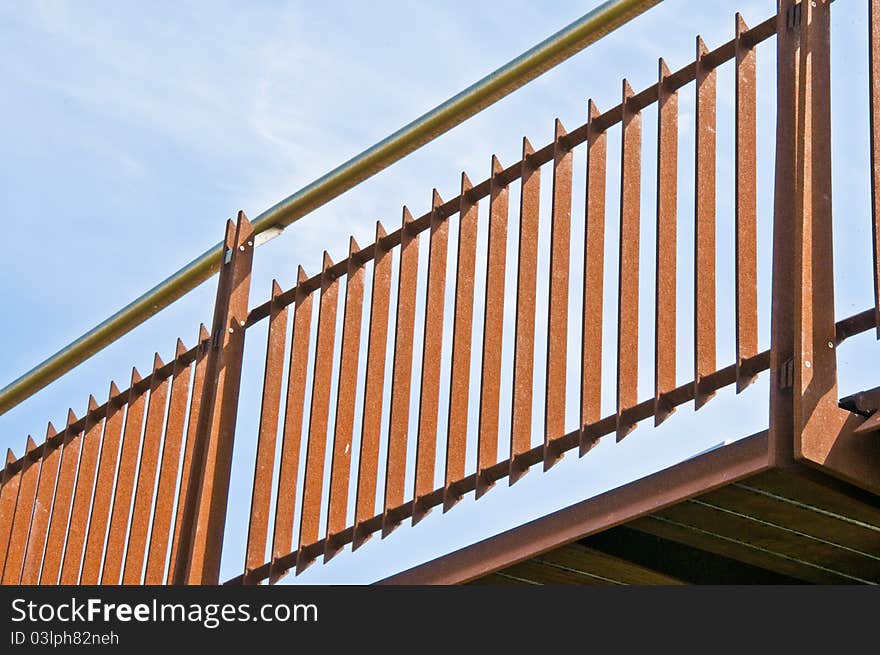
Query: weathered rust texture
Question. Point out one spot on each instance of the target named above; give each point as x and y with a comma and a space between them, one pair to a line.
183, 490
665, 279
10, 482
160, 534
82, 496
264, 466
493, 328
319, 416
395, 470
557, 320
346, 400
524, 353
51, 570
374, 388
135, 552
704, 226
628, 265
36, 543
594, 276
119, 516
285, 503
100, 516
24, 508
746, 208
432, 355
462, 335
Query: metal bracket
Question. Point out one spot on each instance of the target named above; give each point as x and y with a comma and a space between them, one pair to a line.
793, 17
785, 375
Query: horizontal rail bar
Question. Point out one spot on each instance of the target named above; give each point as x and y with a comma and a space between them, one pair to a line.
845, 328
560, 46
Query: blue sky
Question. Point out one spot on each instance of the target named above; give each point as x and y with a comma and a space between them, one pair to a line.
132, 131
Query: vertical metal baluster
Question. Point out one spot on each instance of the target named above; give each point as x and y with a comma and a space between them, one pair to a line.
594, 277
10, 482
24, 509
432, 347
874, 83
36, 542
628, 265
493, 328
524, 355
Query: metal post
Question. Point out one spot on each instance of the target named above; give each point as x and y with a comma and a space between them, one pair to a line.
204, 509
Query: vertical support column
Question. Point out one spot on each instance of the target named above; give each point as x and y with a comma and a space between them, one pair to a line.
205, 507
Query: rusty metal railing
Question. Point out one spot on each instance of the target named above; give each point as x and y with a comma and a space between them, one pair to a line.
99, 502
568, 41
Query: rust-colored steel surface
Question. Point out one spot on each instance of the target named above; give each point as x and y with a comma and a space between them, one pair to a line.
667, 214
20, 522
432, 353
594, 277
459, 385
160, 533
874, 75
124, 494
704, 226
82, 496
628, 264
343, 437
261, 495
493, 326
319, 415
407, 279
746, 207
527, 280
557, 323
368, 463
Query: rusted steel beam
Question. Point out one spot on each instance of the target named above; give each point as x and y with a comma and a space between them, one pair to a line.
395, 470
462, 336
220, 407
82, 496
667, 216
183, 490
10, 482
24, 508
51, 569
704, 226
594, 277
526, 275
432, 355
285, 503
270, 407
557, 319
319, 416
817, 417
160, 533
100, 515
746, 207
628, 266
493, 327
346, 400
374, 388
36, 539
874, 76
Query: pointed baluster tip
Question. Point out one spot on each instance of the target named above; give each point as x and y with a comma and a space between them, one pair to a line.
114, 390
380, 231
627, 89
203, 333
10, 456
93, 404
31, 445
701, 47
407, 216
496, 165
71, 417
229, 237
276, 288
527, 147
663, 68
327, 262
135, 376
465, 182
157, 362
301, 274
180, 348
741, 26
436, 200
50, 430
558, 130
353, 247
592, 109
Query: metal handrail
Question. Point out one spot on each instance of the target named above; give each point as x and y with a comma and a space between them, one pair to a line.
560, 46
